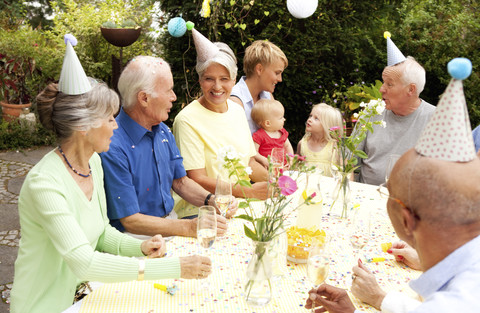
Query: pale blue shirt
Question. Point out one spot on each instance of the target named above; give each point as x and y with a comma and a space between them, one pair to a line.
240, 90
452, 285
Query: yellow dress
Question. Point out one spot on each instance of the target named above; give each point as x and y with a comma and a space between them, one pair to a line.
321, 158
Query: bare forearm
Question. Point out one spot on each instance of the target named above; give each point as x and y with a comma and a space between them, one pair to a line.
148, 225
193, 191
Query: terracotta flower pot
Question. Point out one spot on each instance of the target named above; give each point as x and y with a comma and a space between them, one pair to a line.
121, 37
11, 112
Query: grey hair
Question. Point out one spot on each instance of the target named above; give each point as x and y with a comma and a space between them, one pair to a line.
413, 73
140, 74
64, 114
225, 57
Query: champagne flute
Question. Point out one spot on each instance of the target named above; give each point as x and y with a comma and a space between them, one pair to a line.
360, 230
206, 230
392, 159
223, 195
318, 263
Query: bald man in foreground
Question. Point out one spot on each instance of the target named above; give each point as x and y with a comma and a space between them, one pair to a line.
434, 206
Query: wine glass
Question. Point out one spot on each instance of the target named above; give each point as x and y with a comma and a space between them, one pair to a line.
359, 230
206, 230
392, 159
223, 195
318, 263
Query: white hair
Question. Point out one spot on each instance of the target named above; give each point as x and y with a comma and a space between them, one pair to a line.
140, 74
413, 73
224, 57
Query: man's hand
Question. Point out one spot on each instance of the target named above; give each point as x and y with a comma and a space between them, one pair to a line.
365, 286
154, 247
331, 299
221, 226
195, 267
406, 254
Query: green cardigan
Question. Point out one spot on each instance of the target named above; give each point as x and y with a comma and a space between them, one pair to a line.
67, 239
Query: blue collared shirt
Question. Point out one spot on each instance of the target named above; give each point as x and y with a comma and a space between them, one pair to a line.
452, 285
140, 167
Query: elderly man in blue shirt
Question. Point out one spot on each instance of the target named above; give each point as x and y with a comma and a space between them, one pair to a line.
144, 164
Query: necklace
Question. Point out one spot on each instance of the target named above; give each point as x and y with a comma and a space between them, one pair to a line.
70, 165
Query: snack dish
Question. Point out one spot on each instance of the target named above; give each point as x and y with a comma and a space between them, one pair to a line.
299, 242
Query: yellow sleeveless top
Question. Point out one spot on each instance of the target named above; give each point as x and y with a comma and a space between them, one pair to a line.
321, 158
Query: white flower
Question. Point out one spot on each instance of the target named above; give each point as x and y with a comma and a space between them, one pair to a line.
248, 170
384, 124
355, 115
228, 152
380, 107
362, 104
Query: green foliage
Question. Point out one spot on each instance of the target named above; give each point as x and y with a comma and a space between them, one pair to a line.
343, 40
18, 135
83, 19
30, 61
436, 31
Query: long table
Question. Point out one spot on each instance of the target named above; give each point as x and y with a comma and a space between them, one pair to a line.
230, 256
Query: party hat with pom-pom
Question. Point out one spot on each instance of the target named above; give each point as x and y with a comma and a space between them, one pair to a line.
394, 55
73, 80
448, 135
205, 48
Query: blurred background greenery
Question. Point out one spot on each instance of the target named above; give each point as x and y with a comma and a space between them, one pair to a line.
338, 50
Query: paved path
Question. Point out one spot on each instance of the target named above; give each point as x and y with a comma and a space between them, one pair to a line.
14, 165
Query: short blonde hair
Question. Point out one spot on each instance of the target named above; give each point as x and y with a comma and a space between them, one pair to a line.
329, 117
263, 52
262, 109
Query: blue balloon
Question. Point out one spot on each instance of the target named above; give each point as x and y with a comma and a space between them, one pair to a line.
460, 68
177, 27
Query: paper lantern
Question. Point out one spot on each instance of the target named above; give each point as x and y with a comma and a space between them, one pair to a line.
302, 8
177, 27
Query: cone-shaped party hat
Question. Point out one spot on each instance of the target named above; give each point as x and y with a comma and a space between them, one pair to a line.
448, 135
394, 55
205, 48
73, 80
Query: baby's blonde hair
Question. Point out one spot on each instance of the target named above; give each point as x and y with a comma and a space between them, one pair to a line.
262, 109
329, 117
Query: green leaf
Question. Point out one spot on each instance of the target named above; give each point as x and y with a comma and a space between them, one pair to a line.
279, 26
228, 25
245, 217
245, 183
266, 13
256, 21
361, 154
249, 233
243, 205
243, 26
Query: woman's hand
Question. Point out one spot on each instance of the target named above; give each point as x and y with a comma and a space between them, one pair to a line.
365, 286
154, 247
195, 267
406, 254
232, 208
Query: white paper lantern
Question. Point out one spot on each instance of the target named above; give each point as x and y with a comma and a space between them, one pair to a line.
302, 8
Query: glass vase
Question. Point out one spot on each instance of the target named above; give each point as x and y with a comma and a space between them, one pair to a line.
258, 289
341, 194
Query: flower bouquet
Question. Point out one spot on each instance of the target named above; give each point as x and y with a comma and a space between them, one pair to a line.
346, 153
263, 227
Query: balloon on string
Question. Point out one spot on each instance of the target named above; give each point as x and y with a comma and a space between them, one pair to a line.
177, 27
302, 8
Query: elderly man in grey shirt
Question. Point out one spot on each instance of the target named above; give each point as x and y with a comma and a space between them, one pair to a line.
406, 115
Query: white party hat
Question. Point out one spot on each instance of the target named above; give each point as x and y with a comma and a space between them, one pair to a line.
448, 135
205, 48
73, 80
394, 55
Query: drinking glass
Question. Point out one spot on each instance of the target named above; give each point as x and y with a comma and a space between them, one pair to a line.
206, 231
278, 158
223, 194
318, 263
359, 230
392, 159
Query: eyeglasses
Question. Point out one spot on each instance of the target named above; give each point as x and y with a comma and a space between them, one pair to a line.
383, 191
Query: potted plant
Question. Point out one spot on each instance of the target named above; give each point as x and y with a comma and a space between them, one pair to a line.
15, 70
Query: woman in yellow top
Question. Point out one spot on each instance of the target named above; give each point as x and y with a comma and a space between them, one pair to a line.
317, 144
212, 122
